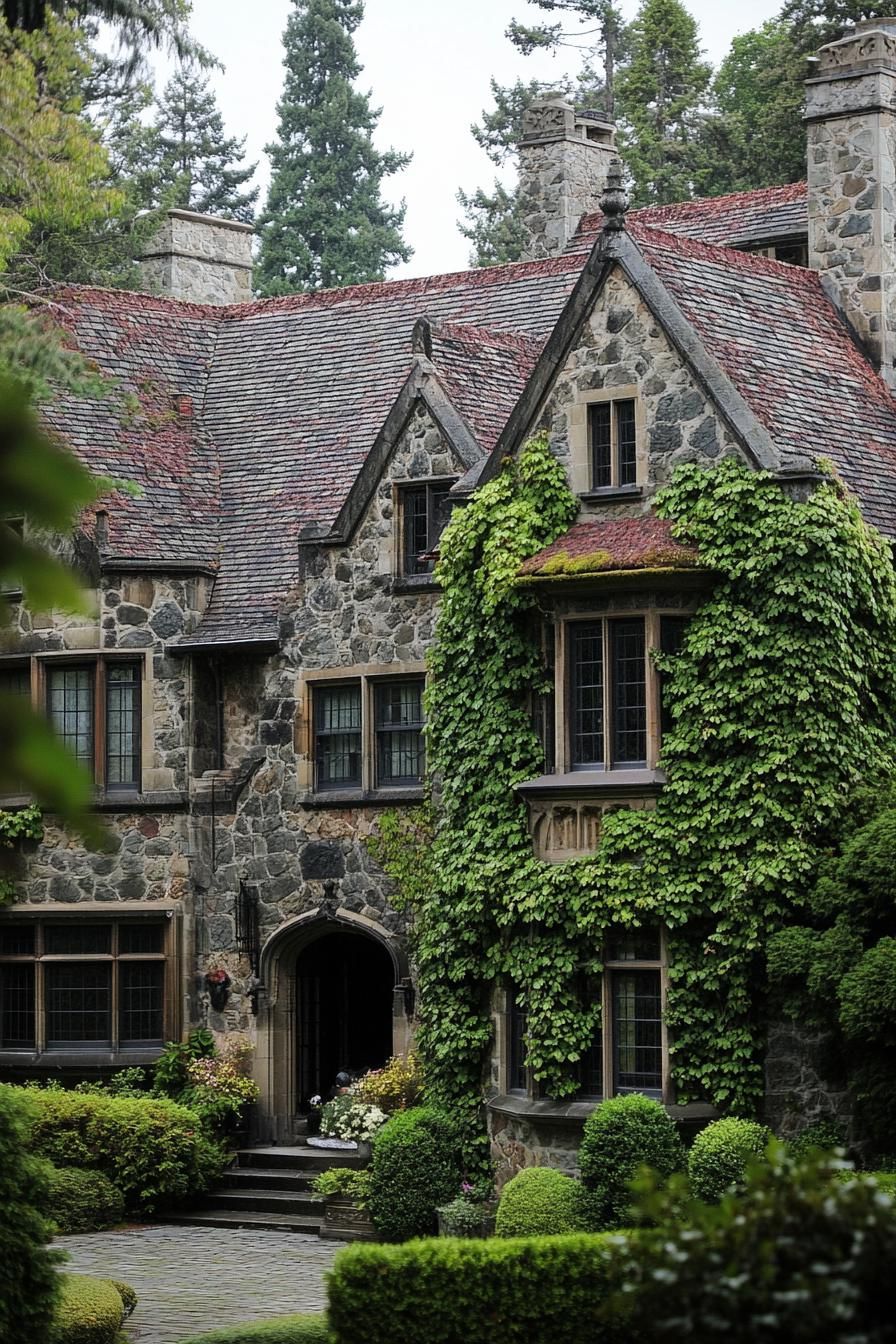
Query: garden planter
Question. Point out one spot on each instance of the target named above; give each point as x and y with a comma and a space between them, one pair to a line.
345, 1221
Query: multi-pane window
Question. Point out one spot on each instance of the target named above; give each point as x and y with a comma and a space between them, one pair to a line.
424, 511
398, 709
608, 693
84, 985
612, 440
94, 706
338, 735
10, 583
626, 1054
368, 734
672, 630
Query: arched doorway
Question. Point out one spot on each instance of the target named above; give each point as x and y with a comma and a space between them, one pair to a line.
344, 1005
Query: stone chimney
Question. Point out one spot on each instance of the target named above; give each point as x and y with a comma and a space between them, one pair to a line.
851, 121
564, 159
200, 258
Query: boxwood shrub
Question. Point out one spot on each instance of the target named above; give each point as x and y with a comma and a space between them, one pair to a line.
29, 1282
90, 1311
280, 1330
539, 1202
536, 1290
720, 1153
416, 1167
83, 1201
620, 1135
153, 1150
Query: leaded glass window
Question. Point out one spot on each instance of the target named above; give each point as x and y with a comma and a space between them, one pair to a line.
338, 735
425, 509
122, 726
70, 704
400, 756
516, 1043
626, 1053
608, 693
75, 985
613, 444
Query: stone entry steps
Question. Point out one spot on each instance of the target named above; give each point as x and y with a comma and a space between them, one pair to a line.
269, 1188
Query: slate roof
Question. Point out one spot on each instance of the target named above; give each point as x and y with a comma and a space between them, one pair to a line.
289, 395
611, 546
789, 353
733, 221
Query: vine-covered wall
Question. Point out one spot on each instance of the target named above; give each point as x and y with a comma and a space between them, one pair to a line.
782, 699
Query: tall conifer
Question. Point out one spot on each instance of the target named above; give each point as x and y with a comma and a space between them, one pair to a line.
325, 223
659, 96
198, 167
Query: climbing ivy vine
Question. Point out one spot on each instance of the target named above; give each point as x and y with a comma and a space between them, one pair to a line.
22, 823
781, 699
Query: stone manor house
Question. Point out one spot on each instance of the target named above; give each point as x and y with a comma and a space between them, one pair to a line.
248, 695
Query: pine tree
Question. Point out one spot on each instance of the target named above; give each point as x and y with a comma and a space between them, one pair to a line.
197, 167
325, 223
659, 97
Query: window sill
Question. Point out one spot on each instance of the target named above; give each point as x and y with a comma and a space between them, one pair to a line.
612, 494
415, 583
163, 800
362, 797
574, 1113
78, 1059
592, 782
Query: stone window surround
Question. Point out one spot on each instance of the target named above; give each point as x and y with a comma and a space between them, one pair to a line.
501, 1021
404, 577
38, 663
580, 448
368, 674
57, 912
562, 683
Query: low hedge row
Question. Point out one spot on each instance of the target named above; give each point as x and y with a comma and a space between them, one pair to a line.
90, 1311
154, 1151
282, 1330
536, 1290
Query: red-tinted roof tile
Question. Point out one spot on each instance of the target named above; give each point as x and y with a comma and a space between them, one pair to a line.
612, 545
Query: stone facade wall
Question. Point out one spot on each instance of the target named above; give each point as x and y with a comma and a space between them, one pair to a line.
563, 172
852, 182
622, 346
200, 258
802, 1085
517, 1142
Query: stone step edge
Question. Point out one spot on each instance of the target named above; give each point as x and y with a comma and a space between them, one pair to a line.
277, 1222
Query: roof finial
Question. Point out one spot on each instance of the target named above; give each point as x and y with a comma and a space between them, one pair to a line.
614, 201
421, 337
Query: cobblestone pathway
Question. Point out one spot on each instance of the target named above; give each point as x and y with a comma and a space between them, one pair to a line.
190, 1279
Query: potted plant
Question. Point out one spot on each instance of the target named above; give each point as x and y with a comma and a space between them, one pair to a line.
346, 1121
217, 982
345, 1209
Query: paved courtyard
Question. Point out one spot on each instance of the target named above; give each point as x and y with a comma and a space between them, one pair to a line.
190, 1279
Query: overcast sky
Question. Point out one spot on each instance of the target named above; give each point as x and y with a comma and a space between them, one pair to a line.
428, 63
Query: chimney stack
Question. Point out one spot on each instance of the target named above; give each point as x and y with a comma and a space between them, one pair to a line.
564, 160
200, 258
851, 125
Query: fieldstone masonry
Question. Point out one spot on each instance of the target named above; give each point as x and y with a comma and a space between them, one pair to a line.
564, 160
200, 258
852, 181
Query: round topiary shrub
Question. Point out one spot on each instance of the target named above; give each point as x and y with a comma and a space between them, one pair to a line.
720, 1153
416, 1167
90, 1311
621, 1135
539, 1202
83, 1201
29, 1283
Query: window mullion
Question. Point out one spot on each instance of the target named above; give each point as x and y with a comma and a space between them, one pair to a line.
615, 474
99, 724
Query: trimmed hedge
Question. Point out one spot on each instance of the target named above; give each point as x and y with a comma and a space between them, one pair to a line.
416, 1167
281, 1330
153, 1150
720, 1153
620, 1135
535, 1290
90, 1311
83, 1201
29, 1283
539, 1202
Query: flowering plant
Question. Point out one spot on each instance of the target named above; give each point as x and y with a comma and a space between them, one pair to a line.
395, 1087
348, 1118
218, 976
217, 1089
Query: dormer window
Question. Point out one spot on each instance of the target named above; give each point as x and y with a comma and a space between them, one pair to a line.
424, 509
612, 437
